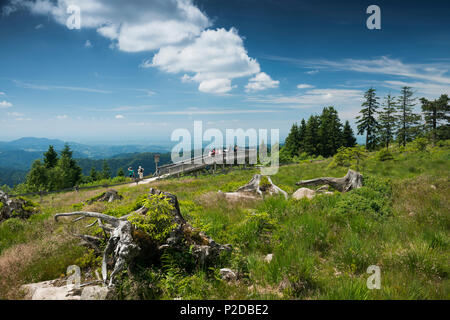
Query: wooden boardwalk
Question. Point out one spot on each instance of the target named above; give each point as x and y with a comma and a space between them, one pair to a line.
241, 157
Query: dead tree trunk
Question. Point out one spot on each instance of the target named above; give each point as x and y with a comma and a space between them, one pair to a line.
255, 186
352, 180
124, 249
120, 244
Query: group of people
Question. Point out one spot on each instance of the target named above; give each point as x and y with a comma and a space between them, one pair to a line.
213, 151
140, 172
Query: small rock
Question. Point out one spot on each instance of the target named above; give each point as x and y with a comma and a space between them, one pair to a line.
49, 290
96, 293
228, 274
268, 258
304, 193
433, 187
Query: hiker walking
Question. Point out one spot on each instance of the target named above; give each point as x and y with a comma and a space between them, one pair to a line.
130, 172
141, 172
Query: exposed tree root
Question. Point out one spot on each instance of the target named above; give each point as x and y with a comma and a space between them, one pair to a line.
352, 180
123, 248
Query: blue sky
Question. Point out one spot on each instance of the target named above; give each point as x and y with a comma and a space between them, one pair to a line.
136, 72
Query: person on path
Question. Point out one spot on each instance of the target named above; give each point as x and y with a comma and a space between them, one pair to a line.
141, 172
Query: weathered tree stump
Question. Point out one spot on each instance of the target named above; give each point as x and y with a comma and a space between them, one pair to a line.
260, 188
15, 207
108, 196
126, 245
351, 180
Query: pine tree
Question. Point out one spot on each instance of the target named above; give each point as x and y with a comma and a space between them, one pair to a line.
106, 171
311, 139
348, 136
330, 132
387, 120
407, 119
366, 121
436, 114
120, 172
50, 158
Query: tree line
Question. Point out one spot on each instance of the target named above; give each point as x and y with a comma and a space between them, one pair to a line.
397, 122
60, 172
393, 121
321, 135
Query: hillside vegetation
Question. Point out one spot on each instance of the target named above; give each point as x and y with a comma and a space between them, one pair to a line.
321, 247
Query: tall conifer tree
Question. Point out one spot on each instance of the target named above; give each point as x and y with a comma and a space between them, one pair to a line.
348, 135
387, 120
436, 114
367, 122
407, 120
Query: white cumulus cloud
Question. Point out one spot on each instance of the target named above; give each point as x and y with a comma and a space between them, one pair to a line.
213, 59
177, 30
261, 81
133, 25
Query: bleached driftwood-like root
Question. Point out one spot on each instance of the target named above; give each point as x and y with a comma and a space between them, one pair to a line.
252, 186
351, 180
277, 189
255, 186
108, 196
120, 244
123, 249
109, 219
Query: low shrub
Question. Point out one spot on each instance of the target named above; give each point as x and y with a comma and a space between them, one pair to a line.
158, 221
384, 155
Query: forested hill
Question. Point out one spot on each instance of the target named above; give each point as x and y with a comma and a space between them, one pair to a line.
125, 160
13, 176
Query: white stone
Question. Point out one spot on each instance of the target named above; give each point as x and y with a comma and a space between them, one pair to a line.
228, 274
48, 290
304, 193
95, 293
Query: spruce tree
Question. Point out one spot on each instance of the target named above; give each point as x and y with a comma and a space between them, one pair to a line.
436, 114
387, 121
407, 119
50, 158
330, 132
71, 171
120, 172
292, 141
301, 135
366, 121
311, 139
93, 174
106, 171
37, 179
349, 139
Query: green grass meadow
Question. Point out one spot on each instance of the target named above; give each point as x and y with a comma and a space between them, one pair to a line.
399, 221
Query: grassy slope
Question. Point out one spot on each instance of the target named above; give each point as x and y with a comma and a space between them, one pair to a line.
321, 247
